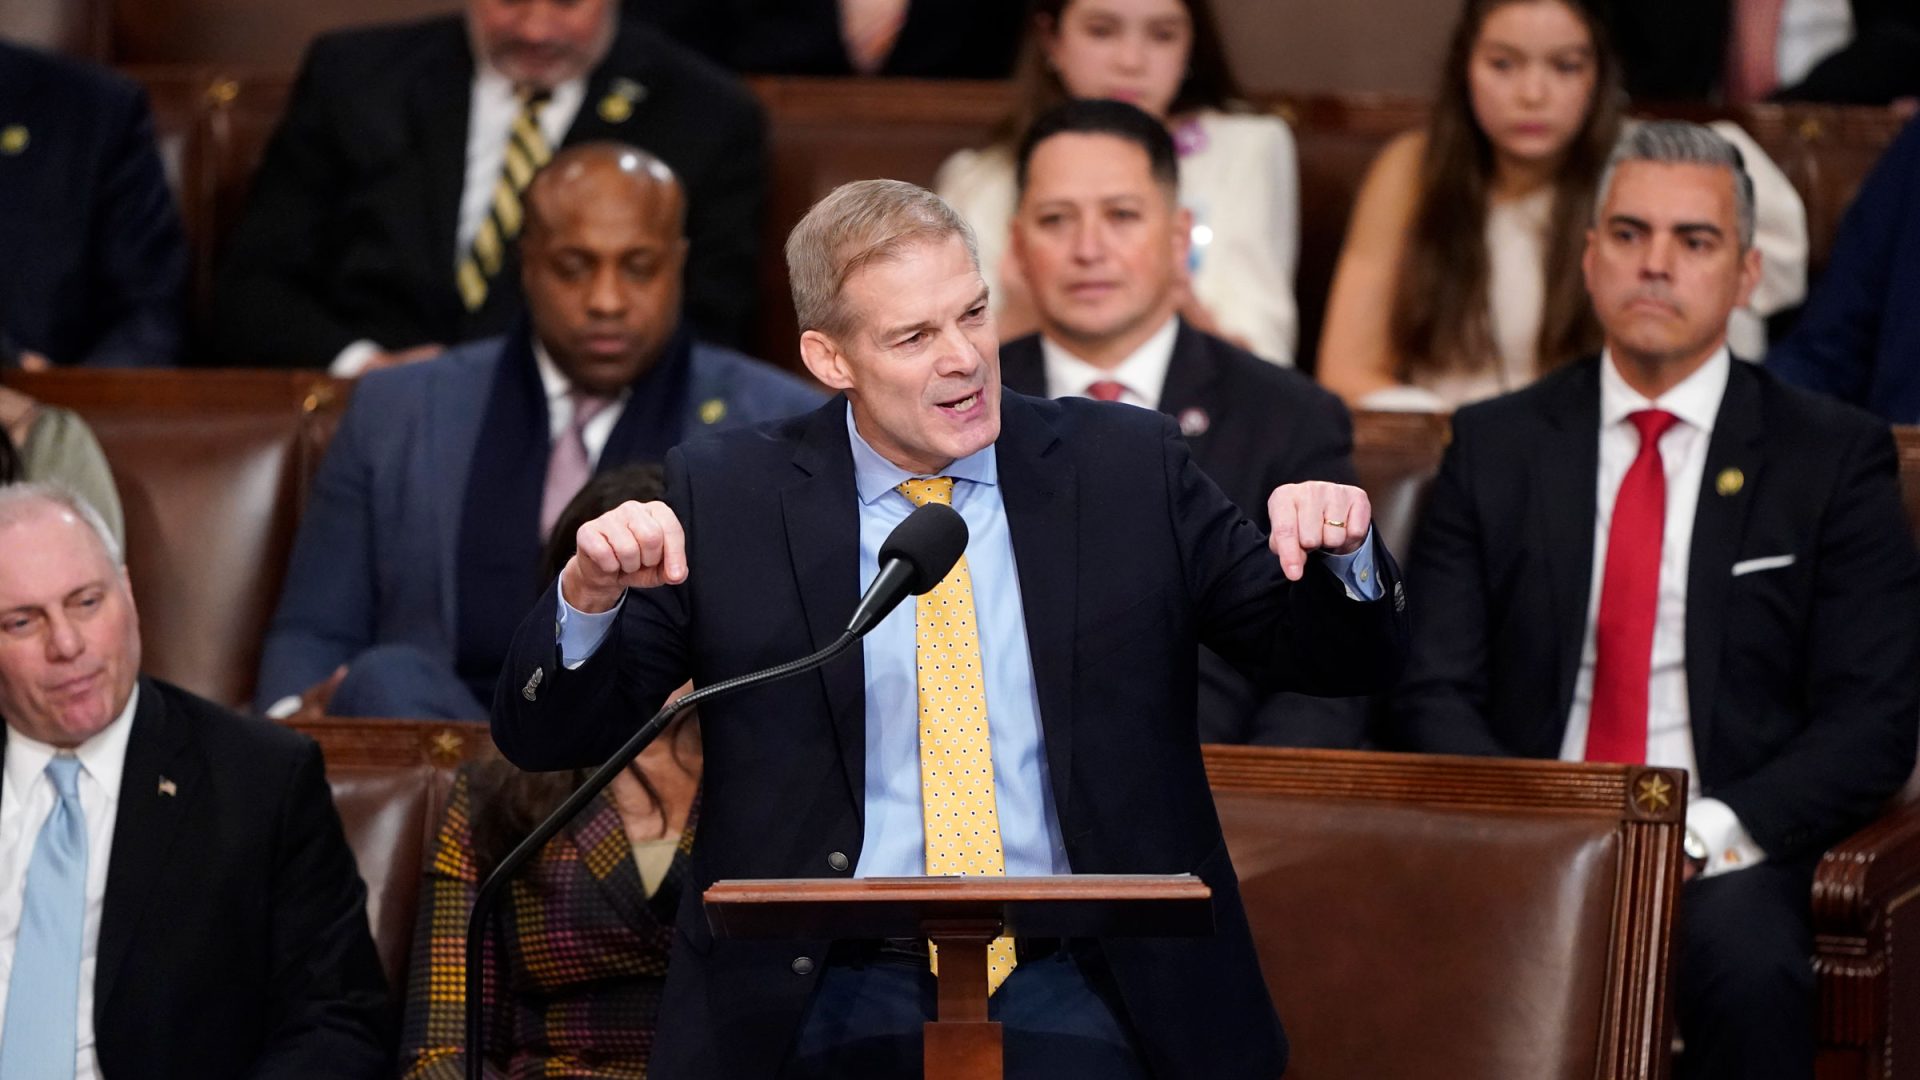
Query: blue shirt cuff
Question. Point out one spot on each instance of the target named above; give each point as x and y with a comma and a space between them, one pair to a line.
1354, 570
580, 633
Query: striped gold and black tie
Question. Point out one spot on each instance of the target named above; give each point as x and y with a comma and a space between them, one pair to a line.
527, 150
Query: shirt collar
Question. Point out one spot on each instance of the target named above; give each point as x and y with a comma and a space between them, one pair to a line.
1144, 371
553, 381
496, 88
874, 475
104, 757
1695, 399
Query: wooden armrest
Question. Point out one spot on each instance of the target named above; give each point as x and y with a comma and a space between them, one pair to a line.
1856, 888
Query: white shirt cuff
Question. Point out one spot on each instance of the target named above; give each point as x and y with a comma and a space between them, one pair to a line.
353, 359
579, 634
1355, 571
1728, 845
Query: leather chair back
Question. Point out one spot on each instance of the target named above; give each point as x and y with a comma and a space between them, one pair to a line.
212, 470
1429, 917
390, 780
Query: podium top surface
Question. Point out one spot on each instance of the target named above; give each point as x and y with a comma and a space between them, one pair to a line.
1074, 905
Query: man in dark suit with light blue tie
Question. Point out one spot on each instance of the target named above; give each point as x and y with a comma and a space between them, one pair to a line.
1099, 557
177, 898
1665, 555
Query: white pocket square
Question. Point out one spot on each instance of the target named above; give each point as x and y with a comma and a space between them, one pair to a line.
1768, 562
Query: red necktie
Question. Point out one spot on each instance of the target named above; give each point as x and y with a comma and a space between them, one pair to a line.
1106, 390
1629, 595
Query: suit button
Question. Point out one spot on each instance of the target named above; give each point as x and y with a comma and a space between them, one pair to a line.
837, 860
803, 965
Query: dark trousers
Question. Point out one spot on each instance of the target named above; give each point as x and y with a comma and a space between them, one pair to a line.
402, 680
1060, 1017
1743, 987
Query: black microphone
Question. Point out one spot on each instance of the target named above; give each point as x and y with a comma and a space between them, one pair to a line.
917, 555
915, 558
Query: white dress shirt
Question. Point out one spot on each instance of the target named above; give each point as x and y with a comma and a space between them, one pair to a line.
492, 107
1143, 372
1683, 456
1810, 31
26, 798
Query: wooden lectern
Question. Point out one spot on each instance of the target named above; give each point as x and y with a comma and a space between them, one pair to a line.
961, 915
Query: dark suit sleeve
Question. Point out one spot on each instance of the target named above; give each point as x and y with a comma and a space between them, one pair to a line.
1834, 346
329, 996
724, 211
1862, 674
268, 308
1442, 704
141, 263
575, 719
1307, 635
326, 612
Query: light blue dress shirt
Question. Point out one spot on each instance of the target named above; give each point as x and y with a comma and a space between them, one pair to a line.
894, 842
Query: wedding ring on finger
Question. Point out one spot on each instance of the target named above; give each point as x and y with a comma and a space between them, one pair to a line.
1332, 524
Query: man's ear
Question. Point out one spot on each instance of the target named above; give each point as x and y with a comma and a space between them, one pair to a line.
1182, 237
1751, 270
825, 361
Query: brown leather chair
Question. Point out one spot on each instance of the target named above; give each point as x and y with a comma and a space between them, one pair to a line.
212, 469
1433, 917
390, 780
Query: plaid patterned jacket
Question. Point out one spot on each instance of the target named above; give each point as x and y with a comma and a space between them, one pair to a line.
581, 948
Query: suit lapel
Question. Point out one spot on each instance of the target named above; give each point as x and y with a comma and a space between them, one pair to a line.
1566, 474
1038, 487
160, 745
1191, 376
1719, 523
442, 91
456, 408
821, 513
616, 94
624, 890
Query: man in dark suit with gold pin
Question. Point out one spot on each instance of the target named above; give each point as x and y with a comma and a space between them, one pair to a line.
381, 224
1665, 555
1102, 240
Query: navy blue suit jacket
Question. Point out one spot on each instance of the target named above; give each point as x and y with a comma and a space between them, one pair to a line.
1127, 558
376, 561
95, 263
1859, 336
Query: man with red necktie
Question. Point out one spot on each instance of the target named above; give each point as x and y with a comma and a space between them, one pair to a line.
1664, 555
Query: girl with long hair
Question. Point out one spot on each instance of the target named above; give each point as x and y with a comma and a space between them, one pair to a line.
1460, 278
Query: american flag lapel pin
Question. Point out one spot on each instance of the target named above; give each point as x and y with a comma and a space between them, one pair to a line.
168, 787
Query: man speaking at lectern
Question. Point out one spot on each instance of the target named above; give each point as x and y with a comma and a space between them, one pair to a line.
1062, 645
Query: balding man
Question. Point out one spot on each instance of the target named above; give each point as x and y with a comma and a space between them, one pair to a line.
383, 221
177, 898
420, 548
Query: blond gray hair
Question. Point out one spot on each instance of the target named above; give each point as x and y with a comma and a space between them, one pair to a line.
859, 223
19, 502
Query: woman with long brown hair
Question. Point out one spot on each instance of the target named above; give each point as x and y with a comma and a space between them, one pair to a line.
1238, 171
580, 947
1460, 278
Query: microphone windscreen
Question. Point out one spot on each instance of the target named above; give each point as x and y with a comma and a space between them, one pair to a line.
931, 541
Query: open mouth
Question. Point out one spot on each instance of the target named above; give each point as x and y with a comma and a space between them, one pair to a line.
963, 405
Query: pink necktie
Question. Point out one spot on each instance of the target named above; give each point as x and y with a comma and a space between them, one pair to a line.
568, 467
1106, 390
1753, 69
1629, 601
869, 29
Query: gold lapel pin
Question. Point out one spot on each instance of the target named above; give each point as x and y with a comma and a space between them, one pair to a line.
1730, 481
618, 105
13, 139
168, 787
713, 410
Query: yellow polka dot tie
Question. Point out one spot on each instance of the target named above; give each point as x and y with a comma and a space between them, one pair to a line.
956, 760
